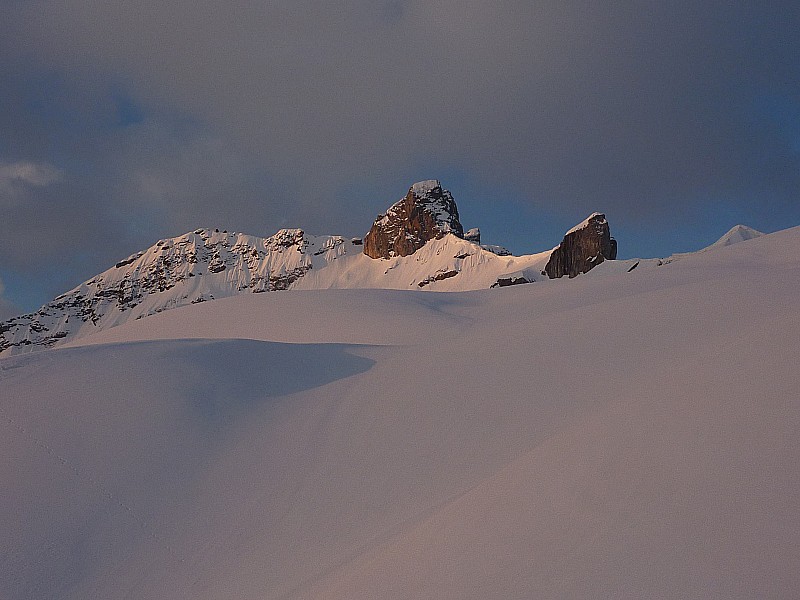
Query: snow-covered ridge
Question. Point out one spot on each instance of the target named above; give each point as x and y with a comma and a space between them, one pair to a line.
191, 268
738, 233
210, 264
418, 244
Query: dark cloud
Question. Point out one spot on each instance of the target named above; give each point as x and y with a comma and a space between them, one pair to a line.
256, 115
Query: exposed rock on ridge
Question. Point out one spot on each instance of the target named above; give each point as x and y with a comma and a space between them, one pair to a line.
473, 235
195, 267
584, 247
427, 212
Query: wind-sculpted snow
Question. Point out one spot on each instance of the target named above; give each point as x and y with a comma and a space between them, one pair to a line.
90, 434
618, 435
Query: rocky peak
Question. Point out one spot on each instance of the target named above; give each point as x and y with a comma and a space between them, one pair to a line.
285, 239
473, 235
584, 247
427, 212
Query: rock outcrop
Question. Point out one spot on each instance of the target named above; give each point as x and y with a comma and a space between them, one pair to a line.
511, 279
438, 276
427, 212
498, 250
473, 235
584, 247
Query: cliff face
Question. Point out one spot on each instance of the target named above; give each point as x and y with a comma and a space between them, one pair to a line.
584, 247
427, 212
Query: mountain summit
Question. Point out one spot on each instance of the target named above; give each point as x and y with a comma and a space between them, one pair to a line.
427, 212
738, 233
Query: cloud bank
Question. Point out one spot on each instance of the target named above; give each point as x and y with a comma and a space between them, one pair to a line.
28, 173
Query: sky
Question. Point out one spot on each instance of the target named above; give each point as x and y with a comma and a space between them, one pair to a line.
122, 123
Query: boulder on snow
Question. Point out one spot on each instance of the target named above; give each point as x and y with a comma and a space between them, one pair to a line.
584, 247
426, 212
438, 276
511, 279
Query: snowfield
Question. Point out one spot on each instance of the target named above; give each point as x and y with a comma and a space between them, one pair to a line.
624, 434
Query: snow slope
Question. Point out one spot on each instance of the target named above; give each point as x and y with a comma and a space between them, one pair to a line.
630, 435
737, 233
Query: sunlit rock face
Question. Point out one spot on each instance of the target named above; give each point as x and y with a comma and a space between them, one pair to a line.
584, 247
195, 267
427, 212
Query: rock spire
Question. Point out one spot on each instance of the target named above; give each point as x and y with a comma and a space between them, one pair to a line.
584, 247
426, 212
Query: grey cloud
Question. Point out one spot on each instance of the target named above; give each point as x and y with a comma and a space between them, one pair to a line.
28, 173
570, 98
150, 185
